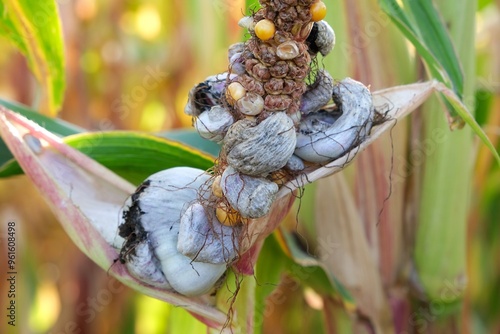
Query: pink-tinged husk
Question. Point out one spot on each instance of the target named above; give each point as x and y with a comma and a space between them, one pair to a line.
246, 264
258, 230
351, 261
86, 198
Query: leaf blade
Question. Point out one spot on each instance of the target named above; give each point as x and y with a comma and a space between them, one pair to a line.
421, 24
432, 30
34, 28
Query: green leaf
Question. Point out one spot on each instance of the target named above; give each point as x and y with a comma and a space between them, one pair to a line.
400, 19
192, 138
310, 270
268, 272
468, 118
33, 27
134, 156
180, 321
421, 24
235, 298
432, 30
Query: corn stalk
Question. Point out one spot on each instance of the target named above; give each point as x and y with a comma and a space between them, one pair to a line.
440, 244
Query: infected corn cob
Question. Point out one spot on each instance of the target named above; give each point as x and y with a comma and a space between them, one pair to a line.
267, 76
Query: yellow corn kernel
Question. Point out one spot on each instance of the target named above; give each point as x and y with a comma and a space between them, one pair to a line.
318, 11
265, 29
280, 177
216, 188
235, 91
227, 215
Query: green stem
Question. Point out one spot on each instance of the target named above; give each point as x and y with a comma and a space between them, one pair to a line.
440, 249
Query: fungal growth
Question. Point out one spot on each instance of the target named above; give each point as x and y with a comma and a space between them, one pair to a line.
270, 112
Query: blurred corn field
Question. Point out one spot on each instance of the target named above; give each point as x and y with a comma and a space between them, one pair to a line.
410, 231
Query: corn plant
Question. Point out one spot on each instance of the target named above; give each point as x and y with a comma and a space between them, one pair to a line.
384, 237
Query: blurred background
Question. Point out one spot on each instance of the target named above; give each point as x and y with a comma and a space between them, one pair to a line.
130, 65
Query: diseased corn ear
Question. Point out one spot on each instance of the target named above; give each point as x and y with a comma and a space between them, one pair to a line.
150, 223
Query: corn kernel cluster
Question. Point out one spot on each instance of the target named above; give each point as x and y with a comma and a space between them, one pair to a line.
276, 58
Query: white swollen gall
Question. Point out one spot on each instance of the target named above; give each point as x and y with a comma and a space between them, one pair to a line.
236, 64
247, 22
317, 94
295, 164
214, 123
203, 239
251, 196
321, 39
236, 59
261, 149
325, 136
207, 94
150, 227
236, 48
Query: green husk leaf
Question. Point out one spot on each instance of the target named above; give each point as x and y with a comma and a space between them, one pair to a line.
268, 273
192, 138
